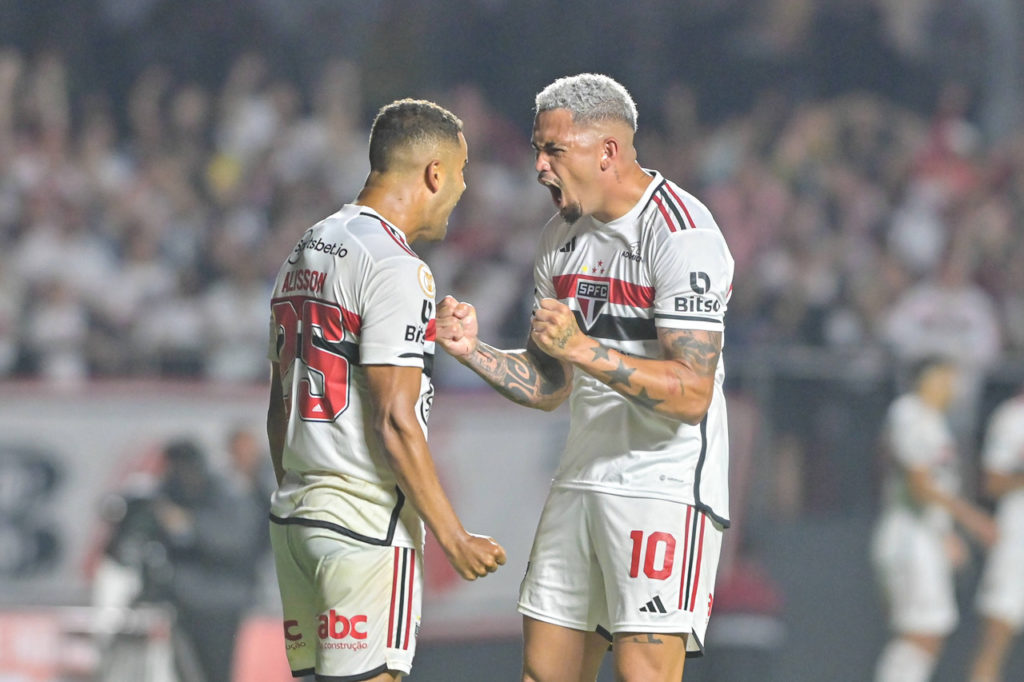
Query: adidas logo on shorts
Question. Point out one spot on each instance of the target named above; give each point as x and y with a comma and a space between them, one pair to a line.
653, 606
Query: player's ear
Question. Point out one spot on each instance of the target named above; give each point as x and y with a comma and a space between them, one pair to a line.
432, 175
609, 150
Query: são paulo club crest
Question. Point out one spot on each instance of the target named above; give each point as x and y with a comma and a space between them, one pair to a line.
592, 296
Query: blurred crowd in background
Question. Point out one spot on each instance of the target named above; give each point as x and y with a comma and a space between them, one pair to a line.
151, 181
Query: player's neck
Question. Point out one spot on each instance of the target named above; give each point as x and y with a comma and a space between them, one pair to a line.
397, 205
623, 192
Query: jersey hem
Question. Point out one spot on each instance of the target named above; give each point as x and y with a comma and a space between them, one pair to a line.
358, 677
386, 541
371, 354
645, 494
680, 322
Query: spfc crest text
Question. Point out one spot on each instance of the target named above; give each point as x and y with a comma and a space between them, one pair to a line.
592, 297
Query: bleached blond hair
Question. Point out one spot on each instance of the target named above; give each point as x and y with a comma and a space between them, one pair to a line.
589, 97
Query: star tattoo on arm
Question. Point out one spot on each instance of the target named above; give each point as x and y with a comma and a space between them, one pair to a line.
620, 375
646, 400
601, 352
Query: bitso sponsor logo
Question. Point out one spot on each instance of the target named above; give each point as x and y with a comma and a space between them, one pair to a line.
592, 297
696, 304
700, 282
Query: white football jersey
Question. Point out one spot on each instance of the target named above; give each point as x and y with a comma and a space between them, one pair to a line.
1004, 454
664, 263
918, 437
352, 293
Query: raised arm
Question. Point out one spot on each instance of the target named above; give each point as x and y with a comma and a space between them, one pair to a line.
680, 384
394, 392
526, 376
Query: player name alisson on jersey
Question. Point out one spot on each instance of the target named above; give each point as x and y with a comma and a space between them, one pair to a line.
305, 280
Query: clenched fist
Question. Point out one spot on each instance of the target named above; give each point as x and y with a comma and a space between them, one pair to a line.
554, 330
456, 328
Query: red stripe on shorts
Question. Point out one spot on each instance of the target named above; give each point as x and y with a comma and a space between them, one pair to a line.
394, 591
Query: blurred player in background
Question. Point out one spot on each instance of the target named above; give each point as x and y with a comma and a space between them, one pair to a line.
1001, 592
351, 349
915, 547
632, 280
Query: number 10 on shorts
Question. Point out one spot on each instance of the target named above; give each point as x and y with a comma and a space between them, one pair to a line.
658, 550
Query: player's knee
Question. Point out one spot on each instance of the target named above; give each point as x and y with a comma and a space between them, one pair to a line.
531, 675
666, 665
534, 671
649, 671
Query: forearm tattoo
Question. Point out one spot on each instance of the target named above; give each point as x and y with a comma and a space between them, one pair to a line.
647, 401
619, 375
520, 376
697, 352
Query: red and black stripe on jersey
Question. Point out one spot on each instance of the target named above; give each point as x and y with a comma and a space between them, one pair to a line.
672, 208
620, 292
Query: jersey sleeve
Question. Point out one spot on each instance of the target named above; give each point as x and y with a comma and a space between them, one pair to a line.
397, 313
1004, 441
692, 276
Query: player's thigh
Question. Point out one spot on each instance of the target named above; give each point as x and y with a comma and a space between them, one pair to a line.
659, 561
563, 585
553, 653
1001, 590
370, 619
351, 609
917, 578
649, 657
300, 601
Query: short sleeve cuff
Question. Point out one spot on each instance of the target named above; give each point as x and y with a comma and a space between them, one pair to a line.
372, 354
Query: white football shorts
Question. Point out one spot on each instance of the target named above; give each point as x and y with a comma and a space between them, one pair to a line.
915, 574
1001, 591
351, 610
609, 563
